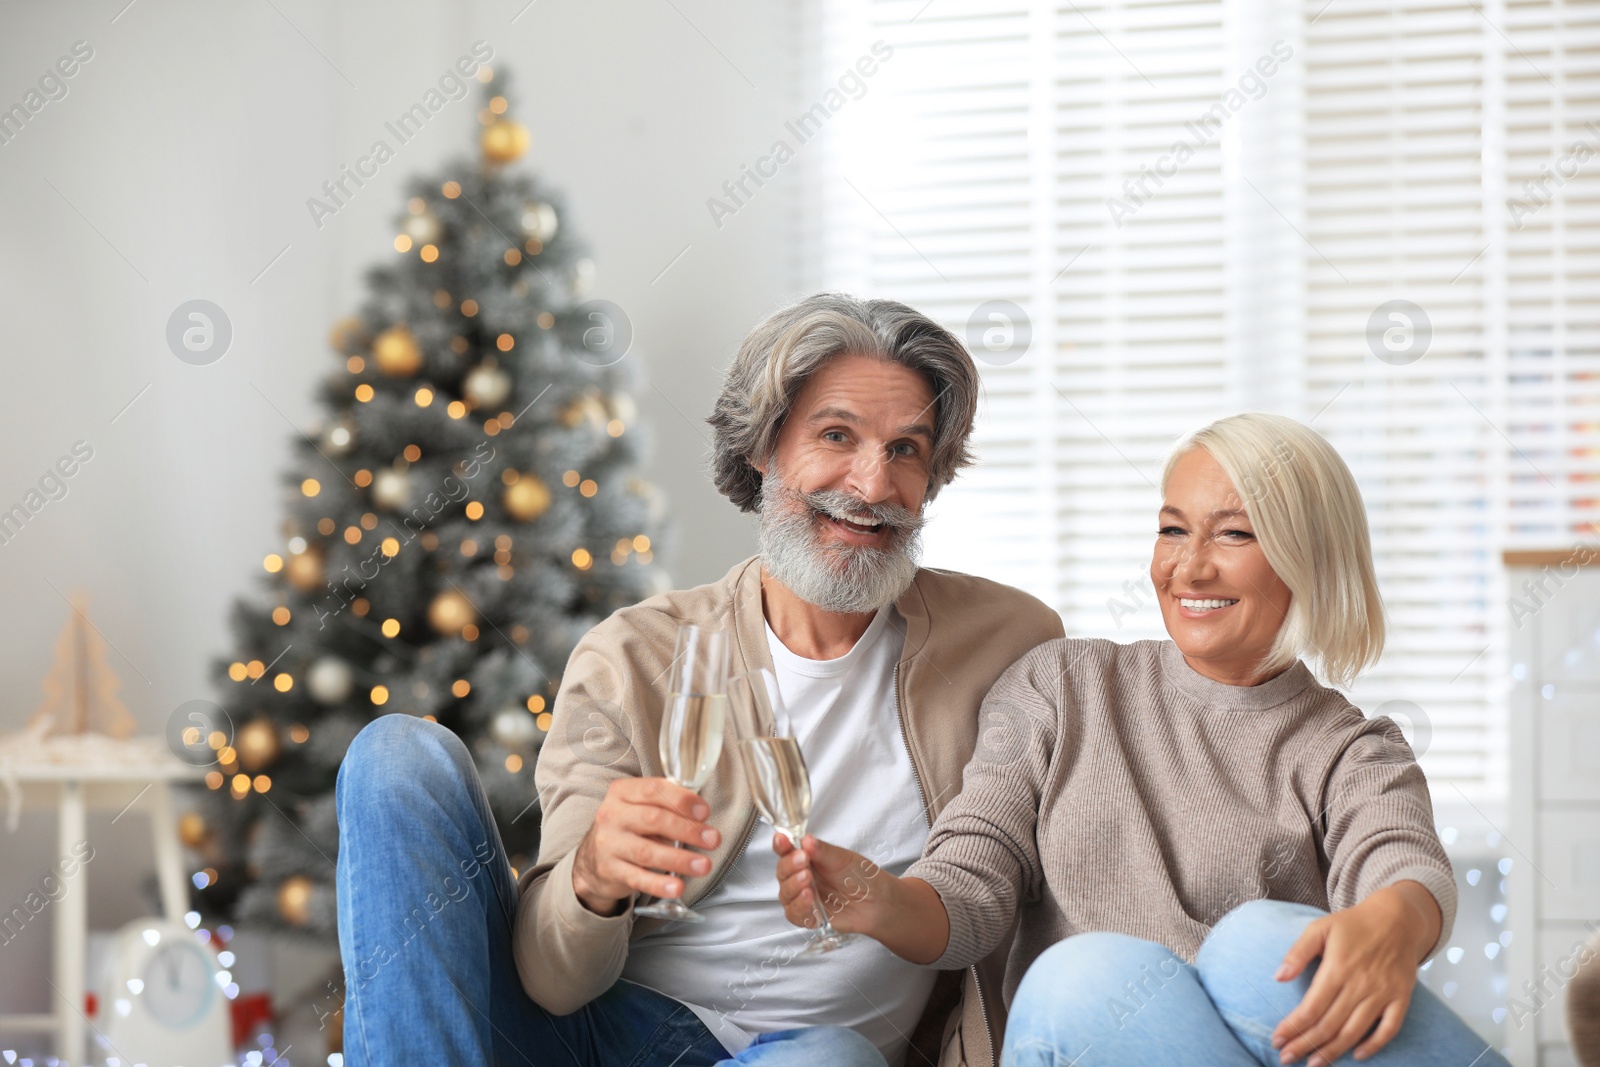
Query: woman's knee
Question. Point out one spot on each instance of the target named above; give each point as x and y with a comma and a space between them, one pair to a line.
1085, 968
1238, 960
1259, 930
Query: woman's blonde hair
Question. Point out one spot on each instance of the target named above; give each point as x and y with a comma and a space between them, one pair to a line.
1312, 526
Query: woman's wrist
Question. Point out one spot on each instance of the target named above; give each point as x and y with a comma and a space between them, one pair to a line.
910, 919
1415, 912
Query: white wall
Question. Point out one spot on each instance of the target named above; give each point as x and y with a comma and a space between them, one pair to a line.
181, 160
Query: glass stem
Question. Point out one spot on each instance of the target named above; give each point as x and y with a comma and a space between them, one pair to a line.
824, 927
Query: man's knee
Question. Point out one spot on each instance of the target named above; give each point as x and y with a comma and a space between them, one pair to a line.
813, 1044
399, 749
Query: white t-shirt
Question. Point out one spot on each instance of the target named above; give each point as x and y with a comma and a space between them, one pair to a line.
739, 970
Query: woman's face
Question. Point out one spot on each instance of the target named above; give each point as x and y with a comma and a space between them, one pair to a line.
1222, 603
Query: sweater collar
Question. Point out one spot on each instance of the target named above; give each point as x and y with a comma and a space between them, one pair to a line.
1270, 694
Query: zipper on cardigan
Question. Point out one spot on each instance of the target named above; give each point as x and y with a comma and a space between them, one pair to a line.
905, 740
749, 832
983, 1010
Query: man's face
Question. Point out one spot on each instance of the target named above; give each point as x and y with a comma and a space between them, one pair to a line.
842, 495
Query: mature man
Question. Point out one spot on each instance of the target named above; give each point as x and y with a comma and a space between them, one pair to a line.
839, 419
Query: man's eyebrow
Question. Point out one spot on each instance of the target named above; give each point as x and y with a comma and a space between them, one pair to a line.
844, 415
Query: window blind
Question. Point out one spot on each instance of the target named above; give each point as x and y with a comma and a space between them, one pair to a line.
1204, 207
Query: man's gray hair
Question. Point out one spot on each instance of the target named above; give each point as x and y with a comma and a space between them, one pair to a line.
783, 352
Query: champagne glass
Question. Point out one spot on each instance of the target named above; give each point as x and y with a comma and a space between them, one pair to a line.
776, 770
691, 728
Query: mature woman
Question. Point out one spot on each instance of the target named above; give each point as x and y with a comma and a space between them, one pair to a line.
1170, 823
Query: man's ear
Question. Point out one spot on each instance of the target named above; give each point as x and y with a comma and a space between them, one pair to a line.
760, 468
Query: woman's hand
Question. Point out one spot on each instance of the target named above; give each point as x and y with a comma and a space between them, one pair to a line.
1370, 954
841, 879
904, 914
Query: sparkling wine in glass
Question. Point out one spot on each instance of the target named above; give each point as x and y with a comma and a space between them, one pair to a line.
691, 728
776, 770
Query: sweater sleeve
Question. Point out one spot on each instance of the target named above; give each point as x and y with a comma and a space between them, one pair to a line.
982, 854
1379, 824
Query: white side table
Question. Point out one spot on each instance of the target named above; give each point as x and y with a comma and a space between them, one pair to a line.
74, 790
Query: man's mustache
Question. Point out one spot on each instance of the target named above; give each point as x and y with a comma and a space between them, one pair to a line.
842, 505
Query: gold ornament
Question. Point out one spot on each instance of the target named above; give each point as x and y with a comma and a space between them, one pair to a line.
346, 334
587, 406
294, 900
450, 612
192, 829
304, 571
504, 141
396, 352
526, 498
257, 744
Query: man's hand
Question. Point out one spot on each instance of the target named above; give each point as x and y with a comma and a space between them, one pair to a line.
630, 843
1369, 964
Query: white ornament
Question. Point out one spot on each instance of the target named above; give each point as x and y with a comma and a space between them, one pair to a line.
330, 680
391, 489
514, 728
583, 276
339, 438
486, 385
424, 229
539, 220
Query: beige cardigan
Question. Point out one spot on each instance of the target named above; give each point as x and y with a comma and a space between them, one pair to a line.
961, 634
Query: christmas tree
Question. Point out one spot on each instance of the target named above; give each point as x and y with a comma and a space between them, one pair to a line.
465, 513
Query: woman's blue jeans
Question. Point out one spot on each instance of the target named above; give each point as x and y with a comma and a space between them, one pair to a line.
426, 907
1109, 1000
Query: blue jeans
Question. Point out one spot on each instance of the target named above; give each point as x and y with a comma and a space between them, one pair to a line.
426, 908
1108, 1000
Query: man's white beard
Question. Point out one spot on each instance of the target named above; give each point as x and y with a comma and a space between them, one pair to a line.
830, 574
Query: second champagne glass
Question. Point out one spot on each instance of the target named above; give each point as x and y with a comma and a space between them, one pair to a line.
776, 770
691, 728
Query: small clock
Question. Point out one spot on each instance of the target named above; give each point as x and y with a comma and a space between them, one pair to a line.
162, 998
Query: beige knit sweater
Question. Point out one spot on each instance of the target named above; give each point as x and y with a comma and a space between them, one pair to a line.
1114, 788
